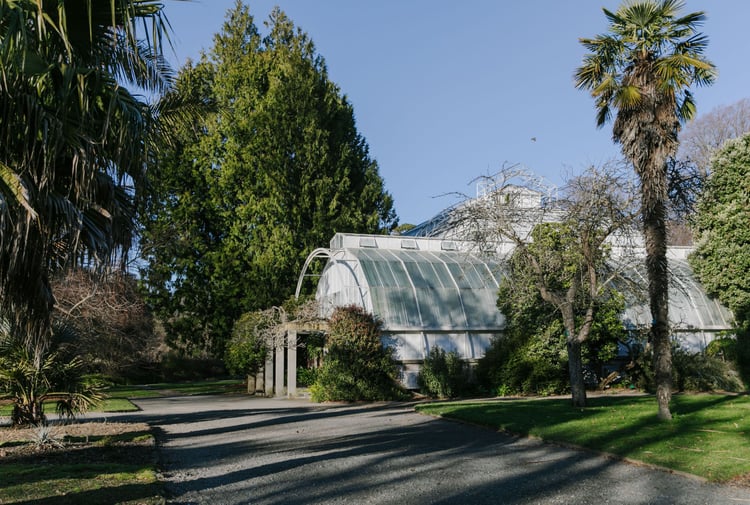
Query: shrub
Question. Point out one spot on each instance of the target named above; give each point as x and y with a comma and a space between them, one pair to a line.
691, 371
306, 376
117, 335
356, 365
735, 350
443, 374
531, 357
32, 373
176, 366
519, 364
724, 348
247, 349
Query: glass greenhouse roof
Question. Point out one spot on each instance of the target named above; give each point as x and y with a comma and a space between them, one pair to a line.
422, 285
430, 291
690, 308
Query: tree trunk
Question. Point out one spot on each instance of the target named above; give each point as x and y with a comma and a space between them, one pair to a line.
30, 413
575, 366
655, 234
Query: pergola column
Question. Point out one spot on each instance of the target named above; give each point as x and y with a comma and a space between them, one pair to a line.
278, 370
268, 375
291, 363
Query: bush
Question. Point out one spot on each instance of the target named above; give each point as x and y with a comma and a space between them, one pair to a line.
306, 376
176, 367
443, 375
356, 366
735, 350
33, 372
517, 364
690, 372
531, 357
724, 348
117, 335
247, 349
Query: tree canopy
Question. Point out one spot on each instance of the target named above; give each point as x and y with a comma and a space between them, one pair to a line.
271, 174
722, 256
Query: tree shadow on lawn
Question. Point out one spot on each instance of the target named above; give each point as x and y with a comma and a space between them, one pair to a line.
87, 462
557, 421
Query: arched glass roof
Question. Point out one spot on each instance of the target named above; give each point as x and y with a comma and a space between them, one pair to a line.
690, 308
430, 291
426, 285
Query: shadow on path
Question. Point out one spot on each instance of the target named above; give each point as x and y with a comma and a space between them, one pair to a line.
290, 452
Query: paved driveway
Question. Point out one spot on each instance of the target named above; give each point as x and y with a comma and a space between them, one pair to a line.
240, 450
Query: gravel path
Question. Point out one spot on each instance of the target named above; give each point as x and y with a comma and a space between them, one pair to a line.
239, 450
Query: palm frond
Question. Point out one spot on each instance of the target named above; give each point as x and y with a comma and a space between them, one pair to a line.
648, 46
64, 119
13, 192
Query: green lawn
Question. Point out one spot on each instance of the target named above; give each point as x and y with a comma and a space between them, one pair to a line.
118, 397
709, 435
117, 468
208, 387
109, 405
80, 483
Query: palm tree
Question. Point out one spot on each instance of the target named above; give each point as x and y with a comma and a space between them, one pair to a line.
73, 139
30, 379
642, 70
74, 143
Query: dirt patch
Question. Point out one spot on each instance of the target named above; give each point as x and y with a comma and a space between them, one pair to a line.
74, 441
741, 481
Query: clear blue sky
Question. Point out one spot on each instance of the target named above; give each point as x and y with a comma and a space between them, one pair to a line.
446, 91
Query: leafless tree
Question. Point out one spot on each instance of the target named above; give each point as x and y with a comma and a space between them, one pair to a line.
115, 329
560, 240
705, 134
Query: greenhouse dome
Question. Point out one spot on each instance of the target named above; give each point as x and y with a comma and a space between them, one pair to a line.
431, 287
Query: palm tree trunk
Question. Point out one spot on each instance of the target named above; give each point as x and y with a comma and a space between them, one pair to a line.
655, 234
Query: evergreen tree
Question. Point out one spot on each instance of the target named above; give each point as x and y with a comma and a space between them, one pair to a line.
722, 257
271, 174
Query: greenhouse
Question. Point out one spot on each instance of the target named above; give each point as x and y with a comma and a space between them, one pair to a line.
428, 292
695, 317
435, 292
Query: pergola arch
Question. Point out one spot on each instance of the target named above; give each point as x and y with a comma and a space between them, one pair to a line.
320, 252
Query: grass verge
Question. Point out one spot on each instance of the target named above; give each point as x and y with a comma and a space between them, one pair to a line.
109, 405
208, 387
118, 396
93, 463
709, 435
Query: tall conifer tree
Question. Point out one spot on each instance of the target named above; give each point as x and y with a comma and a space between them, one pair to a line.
271, 174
